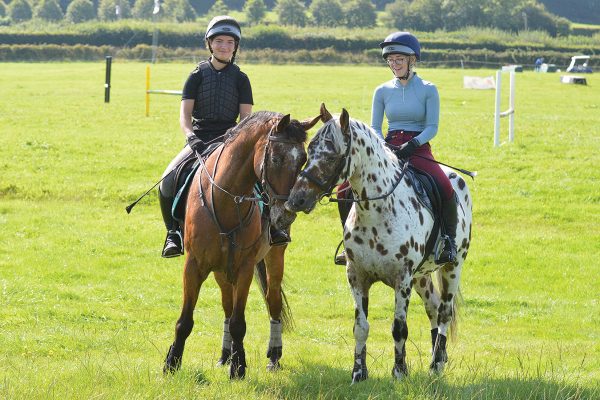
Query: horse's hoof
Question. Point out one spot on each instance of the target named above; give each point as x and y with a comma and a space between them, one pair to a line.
273, 366
237, 372
172, 362
359, 375
225, 358
437, 368
399, 372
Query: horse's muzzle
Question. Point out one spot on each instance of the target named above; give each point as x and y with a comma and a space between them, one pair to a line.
299, 201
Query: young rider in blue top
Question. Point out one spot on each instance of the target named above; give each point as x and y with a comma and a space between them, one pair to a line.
412, 108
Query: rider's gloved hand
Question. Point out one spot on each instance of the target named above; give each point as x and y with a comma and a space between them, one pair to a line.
196, 144
407, 149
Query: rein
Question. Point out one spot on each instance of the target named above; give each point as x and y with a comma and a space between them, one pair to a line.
267, 196
329, 184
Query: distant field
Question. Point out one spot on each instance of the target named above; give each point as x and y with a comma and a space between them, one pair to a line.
88, 308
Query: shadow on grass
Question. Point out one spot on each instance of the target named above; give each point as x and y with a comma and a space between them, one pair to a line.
318, 381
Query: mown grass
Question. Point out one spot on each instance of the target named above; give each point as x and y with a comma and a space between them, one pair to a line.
87, 307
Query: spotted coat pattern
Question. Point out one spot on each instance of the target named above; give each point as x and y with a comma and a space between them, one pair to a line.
385, 239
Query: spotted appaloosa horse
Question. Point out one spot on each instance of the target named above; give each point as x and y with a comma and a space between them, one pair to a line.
385, 239
225, 234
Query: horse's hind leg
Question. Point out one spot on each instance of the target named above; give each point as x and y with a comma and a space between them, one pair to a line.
449, 276
360, 292
431, 300
193, 278
227, 303
402, 287
274, 261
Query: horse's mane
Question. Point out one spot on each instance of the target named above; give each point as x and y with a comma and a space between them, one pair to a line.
260, 120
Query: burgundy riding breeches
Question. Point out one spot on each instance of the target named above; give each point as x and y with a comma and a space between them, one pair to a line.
398, 138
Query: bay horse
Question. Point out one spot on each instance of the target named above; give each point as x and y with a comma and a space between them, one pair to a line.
225, 234
387, 233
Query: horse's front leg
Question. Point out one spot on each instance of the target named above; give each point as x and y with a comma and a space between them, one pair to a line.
450, 278
237, 322
227, 304
274, 262
402, 287
193, 277
359, 286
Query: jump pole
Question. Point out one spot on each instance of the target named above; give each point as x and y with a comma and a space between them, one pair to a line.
155, 91
511, 108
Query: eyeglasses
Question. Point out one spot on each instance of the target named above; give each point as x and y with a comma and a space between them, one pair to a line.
398, 61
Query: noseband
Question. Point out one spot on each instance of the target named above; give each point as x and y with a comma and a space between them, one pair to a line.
327, 185
269, 195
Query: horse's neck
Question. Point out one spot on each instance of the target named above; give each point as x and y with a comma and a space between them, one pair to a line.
235, 170
376, 170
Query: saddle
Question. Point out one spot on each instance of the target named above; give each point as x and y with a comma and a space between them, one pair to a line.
185, 173
183, 178
429, 196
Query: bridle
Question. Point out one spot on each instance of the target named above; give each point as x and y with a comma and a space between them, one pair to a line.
327, 185
269, 195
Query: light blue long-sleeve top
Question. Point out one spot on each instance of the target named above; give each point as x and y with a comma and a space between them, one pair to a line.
414, 107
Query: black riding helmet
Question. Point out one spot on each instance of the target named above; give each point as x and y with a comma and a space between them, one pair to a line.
223, 25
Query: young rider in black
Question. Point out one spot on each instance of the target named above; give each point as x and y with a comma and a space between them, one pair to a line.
214, 95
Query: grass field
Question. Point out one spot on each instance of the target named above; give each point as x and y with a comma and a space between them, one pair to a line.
88, 308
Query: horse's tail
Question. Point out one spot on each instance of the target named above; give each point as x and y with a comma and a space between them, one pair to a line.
260, 274
453, 330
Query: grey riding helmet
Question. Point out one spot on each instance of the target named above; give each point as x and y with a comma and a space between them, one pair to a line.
223, 25
401, 43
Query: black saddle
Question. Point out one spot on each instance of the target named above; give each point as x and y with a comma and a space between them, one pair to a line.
429, 196
183, 178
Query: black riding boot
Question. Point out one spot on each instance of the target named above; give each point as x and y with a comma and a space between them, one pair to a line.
279, 237
449, 221
173, 246
344, 209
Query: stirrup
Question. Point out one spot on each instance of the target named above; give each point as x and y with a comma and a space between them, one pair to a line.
340, 259
446, 251
173, 246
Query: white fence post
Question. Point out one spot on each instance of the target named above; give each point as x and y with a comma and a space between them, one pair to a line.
511, 108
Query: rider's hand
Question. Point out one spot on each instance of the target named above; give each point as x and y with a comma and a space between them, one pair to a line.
407, 149
196, 144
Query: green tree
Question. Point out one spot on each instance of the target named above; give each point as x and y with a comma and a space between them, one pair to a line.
394, 16
142, 9
255, 11
19, 11
458, 14
2, 9
234, 4
49, 10
179, 10
360, 13
424, 15
327, 12
80, 11
107, 9
291, 12
219, 8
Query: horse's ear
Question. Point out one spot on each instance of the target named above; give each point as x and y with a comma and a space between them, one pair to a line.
345, 121
309, 123
283, 123
325, 115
